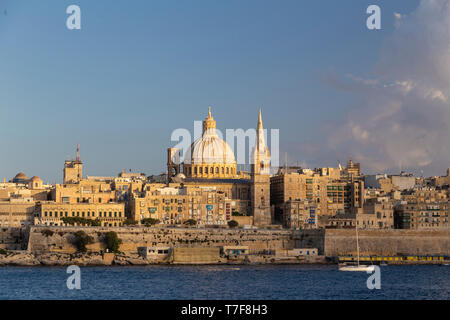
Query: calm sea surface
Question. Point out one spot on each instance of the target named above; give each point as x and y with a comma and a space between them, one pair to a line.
225, 282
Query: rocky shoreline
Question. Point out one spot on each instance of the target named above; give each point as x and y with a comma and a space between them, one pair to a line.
26, 259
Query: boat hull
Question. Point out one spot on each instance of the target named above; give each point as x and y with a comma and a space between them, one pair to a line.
357, 268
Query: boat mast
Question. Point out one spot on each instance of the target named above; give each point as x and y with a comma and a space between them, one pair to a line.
357, 243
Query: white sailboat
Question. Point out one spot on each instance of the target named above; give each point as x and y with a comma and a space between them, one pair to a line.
358, 267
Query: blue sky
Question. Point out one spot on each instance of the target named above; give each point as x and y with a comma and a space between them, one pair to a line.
137, 70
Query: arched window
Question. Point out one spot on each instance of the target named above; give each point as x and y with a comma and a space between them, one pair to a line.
217, 169
200, 170
195, 170
228, 170
223, 170
211, 170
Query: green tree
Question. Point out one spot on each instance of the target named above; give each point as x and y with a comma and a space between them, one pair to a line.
130, 222
190, 222
112, 241
95, 223
237, 214
233, 224
149, 222
82, 240
81, 221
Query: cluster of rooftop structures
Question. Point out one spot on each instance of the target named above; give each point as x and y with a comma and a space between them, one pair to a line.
207, 189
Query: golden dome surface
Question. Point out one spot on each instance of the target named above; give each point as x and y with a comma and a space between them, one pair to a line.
209, 156
209, 148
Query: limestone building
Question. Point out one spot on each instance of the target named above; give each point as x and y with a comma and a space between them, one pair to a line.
176, 203
73, 169
331, 193
422, 216
50, 213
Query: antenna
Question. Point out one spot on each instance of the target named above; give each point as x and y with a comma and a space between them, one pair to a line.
285, 161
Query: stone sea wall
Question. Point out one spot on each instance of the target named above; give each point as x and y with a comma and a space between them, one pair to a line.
330, 242
14, 238
340, 242
257, 240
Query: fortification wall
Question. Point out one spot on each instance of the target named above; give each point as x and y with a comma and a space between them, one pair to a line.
257, 240
330, 242
196, 255
341, 242
13, 238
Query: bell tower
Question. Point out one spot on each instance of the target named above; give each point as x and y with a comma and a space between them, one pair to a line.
260, 179
73, 169
173, 162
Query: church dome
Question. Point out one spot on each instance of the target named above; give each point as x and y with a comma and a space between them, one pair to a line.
36, 178
209, 148
20, 177
209, 156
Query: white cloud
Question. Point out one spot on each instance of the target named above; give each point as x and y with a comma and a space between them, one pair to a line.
403, 117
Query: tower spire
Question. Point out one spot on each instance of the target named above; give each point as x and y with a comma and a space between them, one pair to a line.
78, 153
260, 124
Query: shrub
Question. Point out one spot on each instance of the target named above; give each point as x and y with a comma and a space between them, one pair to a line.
237, 214
81, 240
47, 232
3, 251
190, 222
95, 223
112, 241
130, 222
81, 221
233, 224
149, 222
